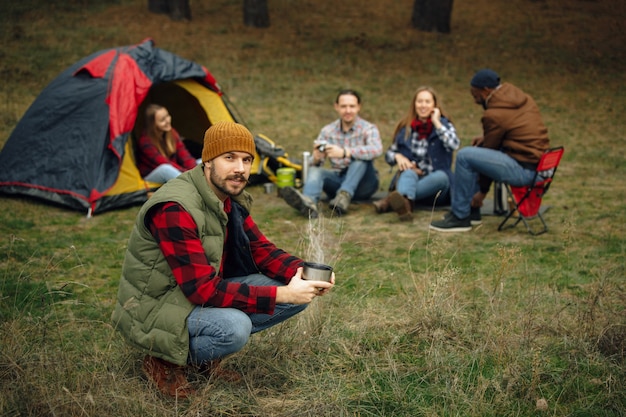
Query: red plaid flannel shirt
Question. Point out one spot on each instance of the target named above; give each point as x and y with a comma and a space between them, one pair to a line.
177, 235
149, 157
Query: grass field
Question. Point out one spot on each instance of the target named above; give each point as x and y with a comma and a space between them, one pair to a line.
483, 323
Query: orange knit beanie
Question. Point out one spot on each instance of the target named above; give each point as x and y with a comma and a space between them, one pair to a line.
225, 137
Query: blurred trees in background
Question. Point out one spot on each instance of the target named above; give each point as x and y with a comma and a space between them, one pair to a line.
175, 9
428, 15
256, 13
432, 15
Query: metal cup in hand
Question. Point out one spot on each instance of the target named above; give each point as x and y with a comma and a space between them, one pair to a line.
313, 271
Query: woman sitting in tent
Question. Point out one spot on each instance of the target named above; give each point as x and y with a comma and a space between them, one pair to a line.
162, 154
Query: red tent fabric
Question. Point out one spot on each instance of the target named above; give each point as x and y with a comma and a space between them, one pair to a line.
68, 147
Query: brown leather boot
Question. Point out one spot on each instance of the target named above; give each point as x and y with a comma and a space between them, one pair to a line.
214, 369
167, 377
401, 205
382, 206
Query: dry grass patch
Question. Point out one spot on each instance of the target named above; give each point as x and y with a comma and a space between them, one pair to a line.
420, 323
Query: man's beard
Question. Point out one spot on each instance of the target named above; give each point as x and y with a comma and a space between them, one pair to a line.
220, 183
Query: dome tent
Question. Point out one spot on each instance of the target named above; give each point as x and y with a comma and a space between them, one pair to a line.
73, 146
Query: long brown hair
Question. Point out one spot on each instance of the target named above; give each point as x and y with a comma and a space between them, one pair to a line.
411, 115
164, 141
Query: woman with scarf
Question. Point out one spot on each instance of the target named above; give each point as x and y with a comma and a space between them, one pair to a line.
424, 141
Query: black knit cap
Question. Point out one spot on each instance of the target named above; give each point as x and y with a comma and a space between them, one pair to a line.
485, 78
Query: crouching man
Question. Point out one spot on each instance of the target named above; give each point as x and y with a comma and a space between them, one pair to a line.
199, 277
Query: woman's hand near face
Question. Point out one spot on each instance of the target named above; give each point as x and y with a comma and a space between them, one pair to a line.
436, 118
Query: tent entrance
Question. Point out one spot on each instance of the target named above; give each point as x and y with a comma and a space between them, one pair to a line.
194, 108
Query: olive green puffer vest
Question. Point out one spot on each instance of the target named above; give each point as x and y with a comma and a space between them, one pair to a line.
151, 310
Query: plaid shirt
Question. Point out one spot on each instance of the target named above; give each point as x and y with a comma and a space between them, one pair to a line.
419, 147
363, 141
176, 233
149, 157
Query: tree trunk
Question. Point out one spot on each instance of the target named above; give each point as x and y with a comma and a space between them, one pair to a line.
256, 13
175, 9
432, 15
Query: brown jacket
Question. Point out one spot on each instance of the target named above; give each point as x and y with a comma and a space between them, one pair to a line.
512, 123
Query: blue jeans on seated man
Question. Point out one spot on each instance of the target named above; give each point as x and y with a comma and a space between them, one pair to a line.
497, 165
360, 180
423, 189
216, 332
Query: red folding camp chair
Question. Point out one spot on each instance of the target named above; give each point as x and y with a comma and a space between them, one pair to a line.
526, 200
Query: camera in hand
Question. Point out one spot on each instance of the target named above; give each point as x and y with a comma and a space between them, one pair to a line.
321, 146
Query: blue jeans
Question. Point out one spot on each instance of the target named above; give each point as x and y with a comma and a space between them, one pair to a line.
494, 164
360, 180
164, 172
416, 188
218, 332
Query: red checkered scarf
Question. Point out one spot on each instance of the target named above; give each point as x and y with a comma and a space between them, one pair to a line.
423, 129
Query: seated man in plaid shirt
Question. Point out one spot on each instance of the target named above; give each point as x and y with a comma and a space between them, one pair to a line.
351, 144
199, 277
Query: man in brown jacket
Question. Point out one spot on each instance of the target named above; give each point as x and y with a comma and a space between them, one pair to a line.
514, 138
